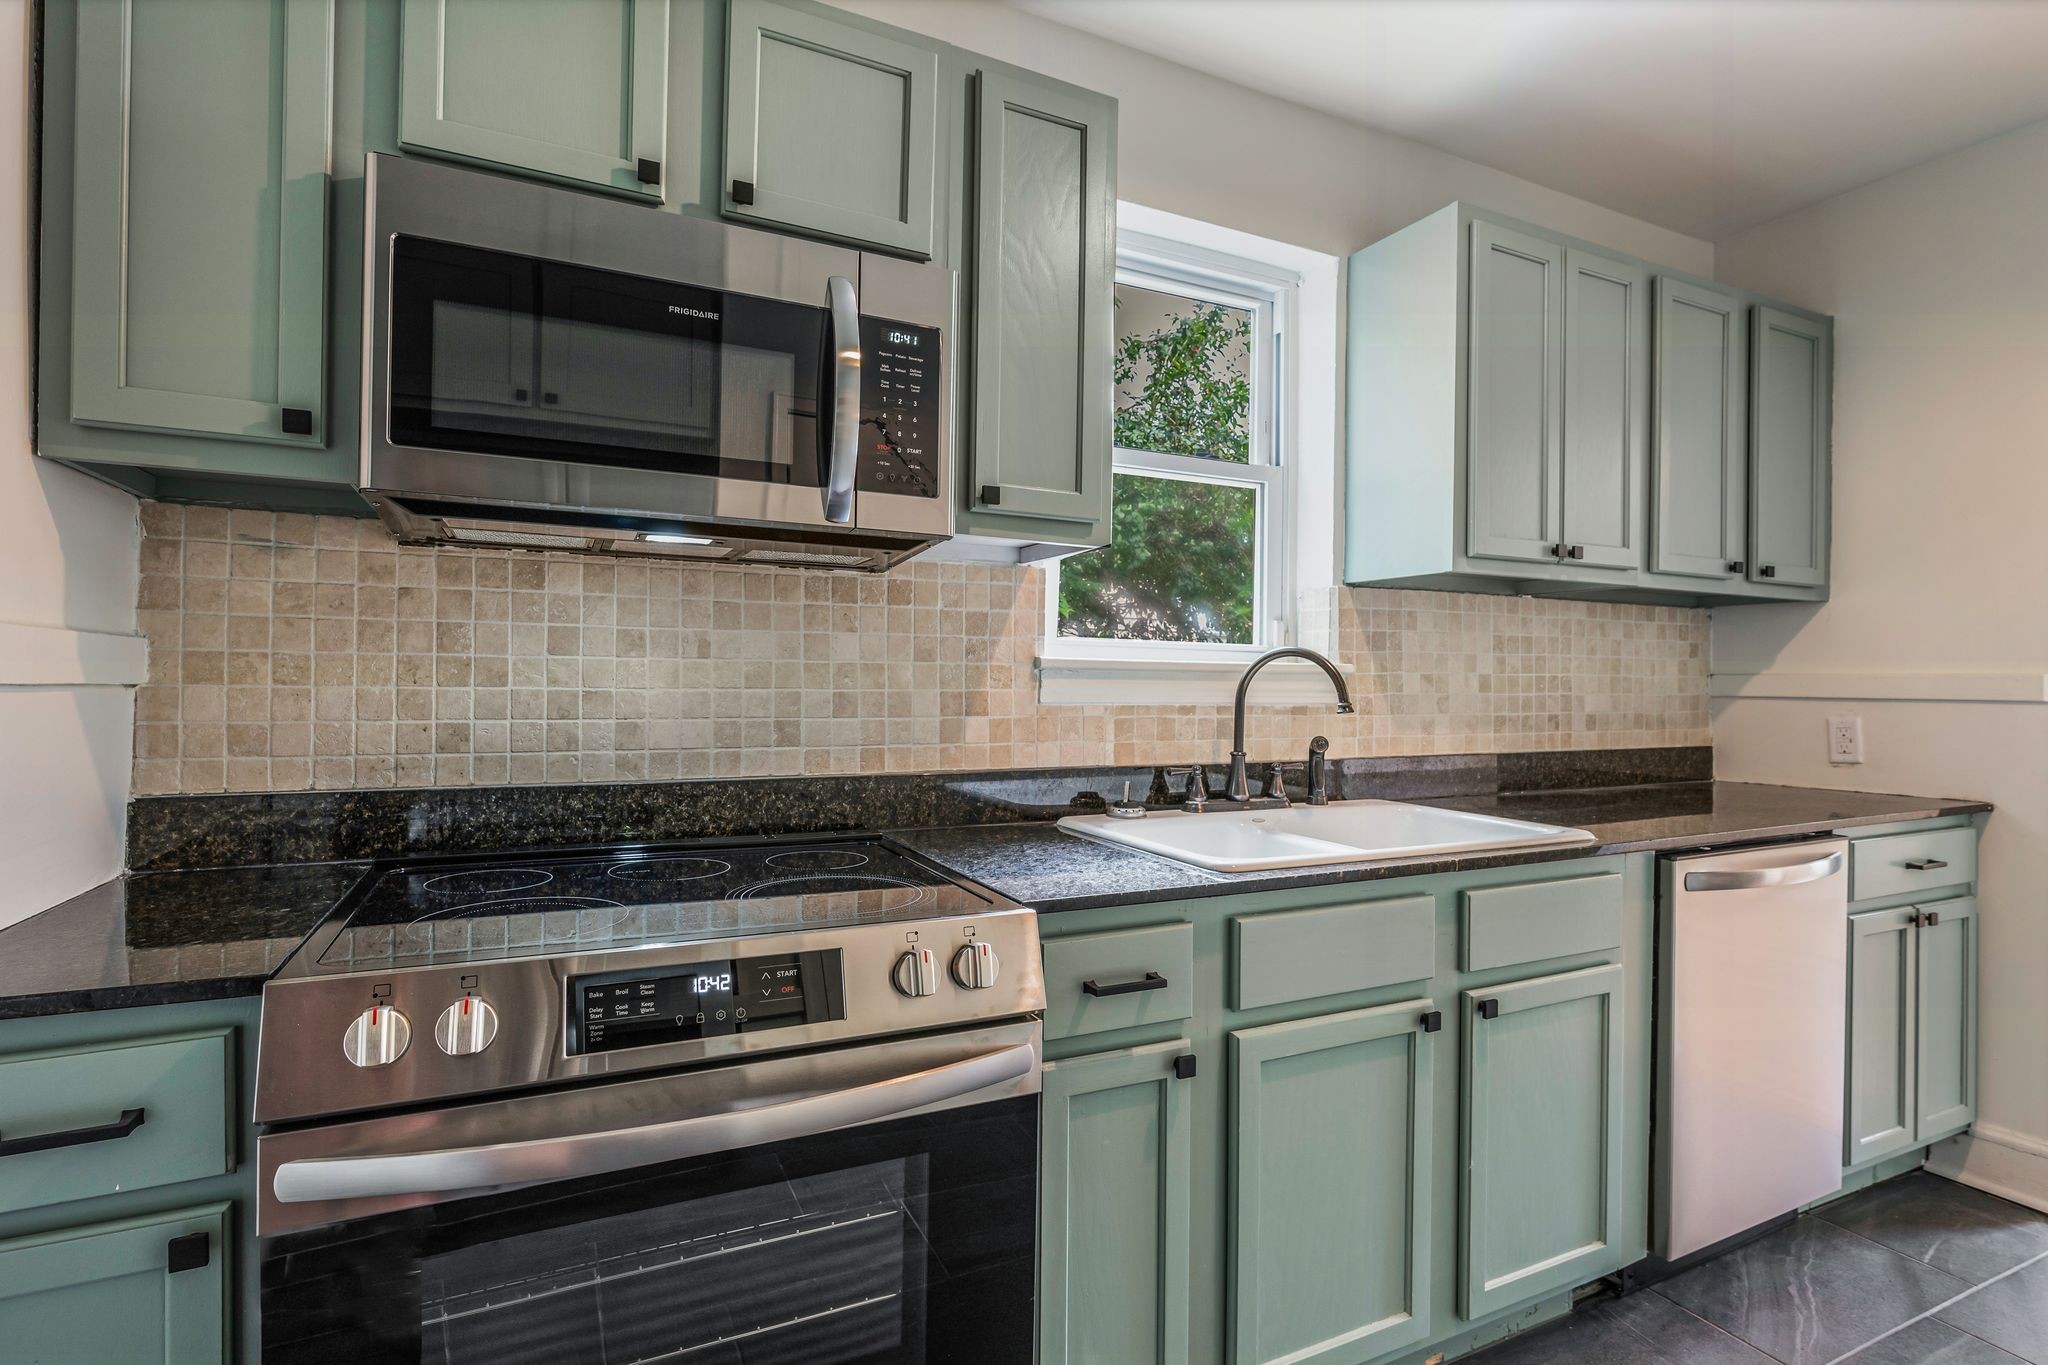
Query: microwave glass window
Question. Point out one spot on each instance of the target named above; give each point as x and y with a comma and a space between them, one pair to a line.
502, 354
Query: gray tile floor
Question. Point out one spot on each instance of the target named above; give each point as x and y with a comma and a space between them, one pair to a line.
1916, 1271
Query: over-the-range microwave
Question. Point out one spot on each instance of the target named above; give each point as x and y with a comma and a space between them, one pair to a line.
550, 369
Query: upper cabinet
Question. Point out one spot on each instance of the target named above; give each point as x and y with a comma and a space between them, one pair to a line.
830, 127
571, 91
197, 214
1522, 419
1040, 255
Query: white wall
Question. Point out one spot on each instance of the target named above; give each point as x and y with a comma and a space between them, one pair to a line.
68, 549
1938, 280
1192, 144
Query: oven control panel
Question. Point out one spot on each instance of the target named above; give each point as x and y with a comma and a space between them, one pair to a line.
612, 1010
900, 411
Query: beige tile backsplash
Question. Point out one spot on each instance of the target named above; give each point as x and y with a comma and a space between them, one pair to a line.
290, 651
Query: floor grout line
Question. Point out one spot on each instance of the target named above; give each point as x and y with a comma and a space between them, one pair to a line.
1946, 1303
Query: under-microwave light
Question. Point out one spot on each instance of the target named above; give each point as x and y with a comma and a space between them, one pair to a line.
674, 538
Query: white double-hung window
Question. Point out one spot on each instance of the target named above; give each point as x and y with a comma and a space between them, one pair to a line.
1196, 568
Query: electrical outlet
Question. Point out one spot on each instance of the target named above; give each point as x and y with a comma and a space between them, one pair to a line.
1845, 739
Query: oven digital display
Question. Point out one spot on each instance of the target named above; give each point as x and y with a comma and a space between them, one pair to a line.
702, 1000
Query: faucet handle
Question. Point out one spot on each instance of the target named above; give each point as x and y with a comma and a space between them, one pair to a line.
1197, 794
1276, 778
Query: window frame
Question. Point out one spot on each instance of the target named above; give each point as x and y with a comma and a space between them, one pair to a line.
1182, 269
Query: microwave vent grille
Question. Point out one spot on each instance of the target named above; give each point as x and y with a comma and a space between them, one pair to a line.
814, 557
529, 540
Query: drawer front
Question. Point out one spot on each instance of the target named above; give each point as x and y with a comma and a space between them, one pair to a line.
1536, 921
1927, 860
1138, 976
88, 1121
1301, 954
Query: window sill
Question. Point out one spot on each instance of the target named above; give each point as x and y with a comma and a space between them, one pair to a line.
1098, 680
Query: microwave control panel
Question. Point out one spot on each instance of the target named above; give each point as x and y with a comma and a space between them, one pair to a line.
900, 411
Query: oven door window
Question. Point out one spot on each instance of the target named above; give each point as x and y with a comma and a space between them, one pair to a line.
903, 1241
502, 354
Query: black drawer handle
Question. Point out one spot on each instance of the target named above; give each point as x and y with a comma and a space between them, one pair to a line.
1432, 1021
130, 1120
1153, 981
1488, 1009
1925, 865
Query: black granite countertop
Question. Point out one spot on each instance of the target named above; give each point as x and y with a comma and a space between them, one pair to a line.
1043, 866
159, 938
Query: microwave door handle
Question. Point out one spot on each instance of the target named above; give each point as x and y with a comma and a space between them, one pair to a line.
843, 436
474, 1169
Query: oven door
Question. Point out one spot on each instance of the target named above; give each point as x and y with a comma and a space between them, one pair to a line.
727, 1215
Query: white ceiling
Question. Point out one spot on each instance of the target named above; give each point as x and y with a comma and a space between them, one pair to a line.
1704, 116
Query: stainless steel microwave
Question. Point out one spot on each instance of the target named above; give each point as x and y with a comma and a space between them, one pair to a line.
549, 369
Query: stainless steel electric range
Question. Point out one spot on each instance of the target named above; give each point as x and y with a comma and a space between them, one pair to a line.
746, 1102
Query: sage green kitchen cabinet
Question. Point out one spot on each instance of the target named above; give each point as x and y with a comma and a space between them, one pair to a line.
1945, 1019
1542, 1142
1039, 239
1331, 1141
1699, 528
1515, 386
1116, 1181
196, 229
1882, 1059
1791, 360
831, 127
1528, 413
136, 1290
565, 89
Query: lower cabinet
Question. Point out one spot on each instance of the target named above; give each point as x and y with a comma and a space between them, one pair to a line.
1114, 1193
1331, 1134
138, 1290
1543, 1159
1912, 1035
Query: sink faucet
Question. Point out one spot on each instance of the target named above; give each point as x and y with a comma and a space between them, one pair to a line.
1240, 788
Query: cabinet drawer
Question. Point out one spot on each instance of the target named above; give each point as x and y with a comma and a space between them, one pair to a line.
1536, 921
1301, 954
1926, 860
1098, 982
123, 1116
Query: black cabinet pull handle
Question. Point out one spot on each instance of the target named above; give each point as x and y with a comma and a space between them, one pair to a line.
296, 421
1488, 1009
991, 495
130, 1120
1184, 1067
1769, 571
648, 171
1736, 566
188, 1252
1432, 1021
1925, 865
1578, 552
742, 191
1152, 981
1931, 918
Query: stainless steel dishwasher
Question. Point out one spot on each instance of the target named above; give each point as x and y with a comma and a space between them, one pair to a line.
1752, 980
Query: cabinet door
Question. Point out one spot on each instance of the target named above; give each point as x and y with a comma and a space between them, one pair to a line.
1113, 1220
829, 128
1606, 411
563, 88
1330, 1153
1882, 999
1945, 962
1043, 271
1700, 507
199, 217
1791, 409
140, 1290
1543, 1136
1515, 407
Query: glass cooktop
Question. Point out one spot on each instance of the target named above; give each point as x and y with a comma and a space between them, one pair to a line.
428, 914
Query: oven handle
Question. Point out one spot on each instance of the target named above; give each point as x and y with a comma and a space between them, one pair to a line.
844, 433
472, 1169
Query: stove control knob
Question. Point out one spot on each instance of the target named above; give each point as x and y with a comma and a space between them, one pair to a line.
976, 965
466, 1026
916, 974
378, 1037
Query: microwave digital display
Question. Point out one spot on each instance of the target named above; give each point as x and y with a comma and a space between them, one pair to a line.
900, 411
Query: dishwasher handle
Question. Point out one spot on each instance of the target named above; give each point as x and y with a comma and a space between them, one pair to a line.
1751, 878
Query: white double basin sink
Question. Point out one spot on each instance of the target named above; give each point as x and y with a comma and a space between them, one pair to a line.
1264, 838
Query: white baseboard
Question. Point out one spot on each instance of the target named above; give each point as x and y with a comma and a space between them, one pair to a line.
1997, 1160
